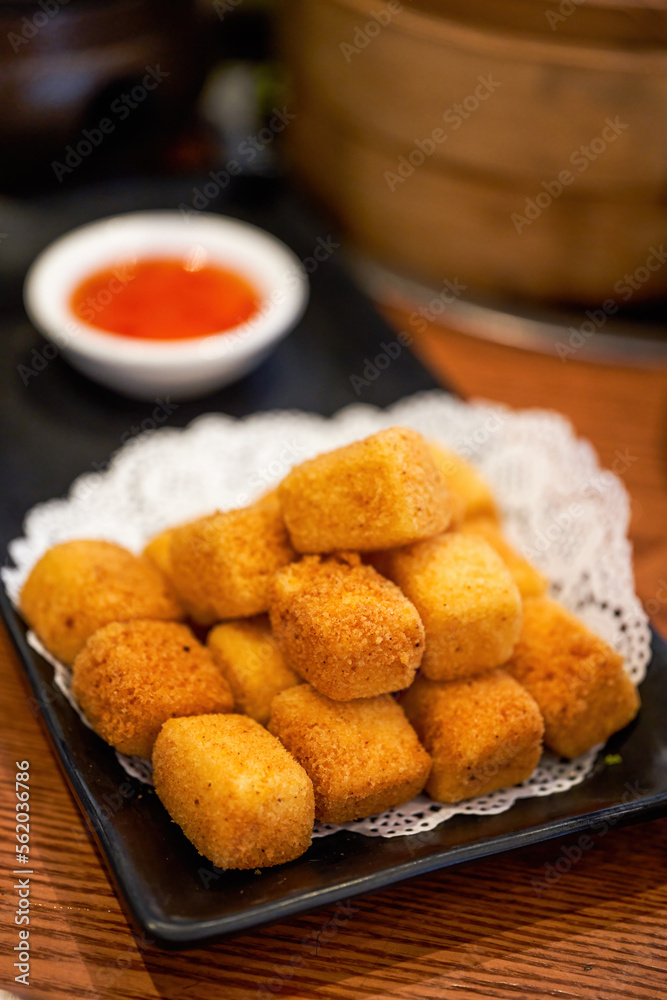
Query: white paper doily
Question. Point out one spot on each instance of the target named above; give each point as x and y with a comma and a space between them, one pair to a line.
560, 509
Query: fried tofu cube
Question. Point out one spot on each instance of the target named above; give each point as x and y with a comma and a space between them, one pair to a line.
373, 494
483, 733
158, 551
362, 756
222, 565
576, 678
529, 580
467, 600
234, 790
79, 586
131, 677
255, 669
344, 628
471, 495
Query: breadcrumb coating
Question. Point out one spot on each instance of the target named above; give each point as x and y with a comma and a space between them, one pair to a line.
79, 586
362, 756
483, 733
576, 678
344, 628
471, 495
529, 580
158, 551
222, 565
467, 599
234, 790
131, 677
376, 493
255, 669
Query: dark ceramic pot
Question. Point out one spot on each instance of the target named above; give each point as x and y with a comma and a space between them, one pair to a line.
104, 74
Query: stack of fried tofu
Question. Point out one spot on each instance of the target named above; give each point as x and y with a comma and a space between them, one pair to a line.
373, 632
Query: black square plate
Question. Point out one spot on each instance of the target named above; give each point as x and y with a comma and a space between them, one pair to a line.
59, 425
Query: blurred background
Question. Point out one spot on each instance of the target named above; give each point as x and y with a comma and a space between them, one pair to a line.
501, 167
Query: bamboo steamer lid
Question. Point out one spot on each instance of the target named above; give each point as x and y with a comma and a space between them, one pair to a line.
549, 96
552, 92
443, 224
597, 22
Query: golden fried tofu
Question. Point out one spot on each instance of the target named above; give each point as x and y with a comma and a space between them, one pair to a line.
158, 551
576, 678
471, 495
255, 669
467, 599
346, 629
362, 756
78, 586
222, 565
131, 677
373, 494
483, 733
529, 580
234, 790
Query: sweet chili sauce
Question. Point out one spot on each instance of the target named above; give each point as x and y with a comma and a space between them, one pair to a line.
165, 299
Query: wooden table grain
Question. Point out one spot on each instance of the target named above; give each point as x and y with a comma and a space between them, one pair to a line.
478, 931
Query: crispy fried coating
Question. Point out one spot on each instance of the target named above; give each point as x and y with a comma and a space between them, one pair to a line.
467, 599
255, 669
483, 733
344, 628
471, 495
222, 565
576, 678
234, 790
130, 677
78, 586
363, 756
529, 580
373, 494
158, 551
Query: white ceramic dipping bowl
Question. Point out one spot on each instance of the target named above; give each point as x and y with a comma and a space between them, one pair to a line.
184, 369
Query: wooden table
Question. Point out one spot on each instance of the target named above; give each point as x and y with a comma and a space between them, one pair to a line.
478, 931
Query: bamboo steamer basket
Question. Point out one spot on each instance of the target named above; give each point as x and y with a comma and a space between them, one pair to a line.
551, 92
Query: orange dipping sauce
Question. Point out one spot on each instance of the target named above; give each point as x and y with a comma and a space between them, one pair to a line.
164, 299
